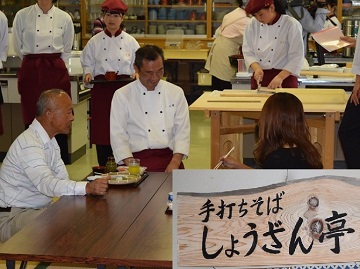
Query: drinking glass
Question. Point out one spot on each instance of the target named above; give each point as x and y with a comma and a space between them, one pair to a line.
134, 166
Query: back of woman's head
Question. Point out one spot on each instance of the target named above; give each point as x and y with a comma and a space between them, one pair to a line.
282, 120
282, 123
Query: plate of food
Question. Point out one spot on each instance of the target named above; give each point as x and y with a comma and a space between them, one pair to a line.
124, 180
125, 169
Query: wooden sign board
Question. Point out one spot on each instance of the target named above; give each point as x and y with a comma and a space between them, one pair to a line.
313, 221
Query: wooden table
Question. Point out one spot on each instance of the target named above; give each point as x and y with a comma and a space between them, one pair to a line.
127, 226
226, 114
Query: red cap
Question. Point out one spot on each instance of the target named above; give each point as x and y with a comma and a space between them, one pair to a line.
254, 6
114, 6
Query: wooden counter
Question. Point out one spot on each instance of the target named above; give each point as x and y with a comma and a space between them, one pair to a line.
226, 115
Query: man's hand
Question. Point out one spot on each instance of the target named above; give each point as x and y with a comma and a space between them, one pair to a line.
87, 78
174, 163
98, 186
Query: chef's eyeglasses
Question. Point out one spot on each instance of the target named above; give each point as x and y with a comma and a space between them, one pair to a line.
113, 15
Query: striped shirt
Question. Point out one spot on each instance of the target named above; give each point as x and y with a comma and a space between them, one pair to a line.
33, 172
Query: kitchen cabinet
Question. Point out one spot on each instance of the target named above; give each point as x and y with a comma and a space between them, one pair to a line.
150, 19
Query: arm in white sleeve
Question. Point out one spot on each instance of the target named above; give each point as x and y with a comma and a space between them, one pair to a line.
4, 37
17, 34
119, 138
68, 39
182, 127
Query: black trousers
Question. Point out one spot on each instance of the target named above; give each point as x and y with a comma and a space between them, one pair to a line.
219, 85
349, 135
103, 152
62, 140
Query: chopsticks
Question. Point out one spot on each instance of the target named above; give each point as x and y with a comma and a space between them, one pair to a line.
101, 174
226, 155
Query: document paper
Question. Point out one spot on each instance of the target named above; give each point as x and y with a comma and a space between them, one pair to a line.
329, 39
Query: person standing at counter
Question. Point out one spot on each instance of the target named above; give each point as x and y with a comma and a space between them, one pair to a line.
4, 45
33, 173
284, 137
109, 50
272, 46
227, 43
43, 38
349, 129
149, 117
311, 21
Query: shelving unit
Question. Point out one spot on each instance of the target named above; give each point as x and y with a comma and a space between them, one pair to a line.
150, 19
348, 11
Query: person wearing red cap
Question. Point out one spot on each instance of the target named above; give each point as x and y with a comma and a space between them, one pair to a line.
43, 37
273, 45
109, 50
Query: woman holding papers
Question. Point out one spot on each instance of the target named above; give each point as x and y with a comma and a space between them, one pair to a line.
273, 45
284, 137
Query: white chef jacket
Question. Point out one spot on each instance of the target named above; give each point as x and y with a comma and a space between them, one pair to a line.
277, 46
35, 32
141, 119
355, 69
33, 171
4, 38
104, 53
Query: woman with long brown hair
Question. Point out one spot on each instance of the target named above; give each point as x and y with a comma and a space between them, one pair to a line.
284, 137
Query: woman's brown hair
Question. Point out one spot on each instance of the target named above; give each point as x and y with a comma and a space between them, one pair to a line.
282, 123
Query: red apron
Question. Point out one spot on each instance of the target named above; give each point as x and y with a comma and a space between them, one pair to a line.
38, 73
290, 82
156, 160
101, 96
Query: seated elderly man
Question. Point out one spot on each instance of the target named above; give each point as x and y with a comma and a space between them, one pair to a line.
33, 172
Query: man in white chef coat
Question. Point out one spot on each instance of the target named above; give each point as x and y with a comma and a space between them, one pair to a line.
149, 117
